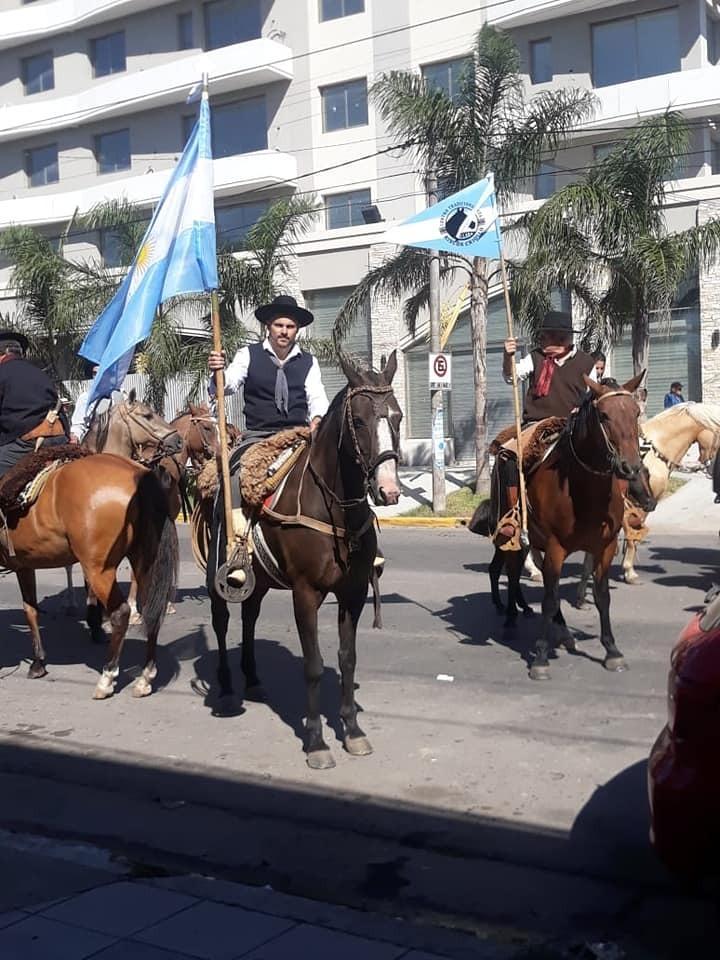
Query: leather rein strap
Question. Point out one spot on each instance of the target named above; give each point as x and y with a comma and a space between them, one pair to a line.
670, 464
609, 448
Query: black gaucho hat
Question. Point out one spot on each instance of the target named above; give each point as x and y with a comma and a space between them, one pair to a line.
557, 320
284, 306
15, 335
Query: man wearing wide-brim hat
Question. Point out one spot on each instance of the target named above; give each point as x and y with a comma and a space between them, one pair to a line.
282, 383
29, 407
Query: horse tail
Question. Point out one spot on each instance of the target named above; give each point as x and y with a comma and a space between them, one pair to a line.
154, 552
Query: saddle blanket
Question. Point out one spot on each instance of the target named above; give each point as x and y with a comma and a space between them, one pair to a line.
538, 441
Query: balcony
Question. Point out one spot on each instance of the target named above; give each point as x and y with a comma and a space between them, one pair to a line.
37, 21
237, 67
520, 13
233, 176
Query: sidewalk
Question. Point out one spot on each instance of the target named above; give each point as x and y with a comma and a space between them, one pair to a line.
691, 509
416, 484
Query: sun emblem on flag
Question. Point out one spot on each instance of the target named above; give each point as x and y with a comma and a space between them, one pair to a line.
144, 257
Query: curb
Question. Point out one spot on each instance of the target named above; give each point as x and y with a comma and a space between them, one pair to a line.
423, 521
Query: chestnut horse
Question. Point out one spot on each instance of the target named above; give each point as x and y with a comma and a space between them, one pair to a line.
576, 502
95, 511
324, 543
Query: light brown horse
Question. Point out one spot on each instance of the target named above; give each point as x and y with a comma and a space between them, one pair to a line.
95, 511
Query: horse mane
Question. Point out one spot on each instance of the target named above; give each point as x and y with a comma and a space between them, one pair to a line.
706, 414
101, 424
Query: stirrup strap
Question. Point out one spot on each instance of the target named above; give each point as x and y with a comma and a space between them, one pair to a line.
511, 518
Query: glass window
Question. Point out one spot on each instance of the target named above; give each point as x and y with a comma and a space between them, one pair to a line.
108, 54
635, 47
239, 127
345, 209
41, 165
112, 151
185, 31
541, 70
345, 105
231, 21
603, 150
334, 9
233, 222
38, 73
112, 249
445, 75
713, 41
544, 181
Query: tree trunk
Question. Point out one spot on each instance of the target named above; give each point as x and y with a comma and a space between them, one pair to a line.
640, 342
478, 328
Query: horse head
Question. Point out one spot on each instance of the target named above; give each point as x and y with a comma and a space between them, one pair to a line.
200, 434
371, 428
611, 412
149, 436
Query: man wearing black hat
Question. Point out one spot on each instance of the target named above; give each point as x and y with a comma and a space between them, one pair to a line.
29, 409
555, 370
282, 383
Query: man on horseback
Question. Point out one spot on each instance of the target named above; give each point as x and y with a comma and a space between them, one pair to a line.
83, 415
554, 370
29, 407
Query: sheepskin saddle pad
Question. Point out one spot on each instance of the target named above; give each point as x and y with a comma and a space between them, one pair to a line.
537, 441
24, 481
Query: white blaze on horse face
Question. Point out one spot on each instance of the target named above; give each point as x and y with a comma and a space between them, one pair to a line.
386, 476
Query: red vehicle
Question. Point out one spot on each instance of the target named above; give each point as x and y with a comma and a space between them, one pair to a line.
684, 764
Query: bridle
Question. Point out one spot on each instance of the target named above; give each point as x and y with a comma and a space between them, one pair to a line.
129, 417
611, 454
207, 450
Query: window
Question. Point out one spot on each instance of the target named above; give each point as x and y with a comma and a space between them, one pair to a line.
544, 181
38, 73
232, 223
603, 150
713, 41
112, 249
325, 305
445, 76
334, 9
635, 47
108, 54
239, 127
344, 105
112, 151
41, 165
188, 122
231, 21
541, 60
345, 209
185, 31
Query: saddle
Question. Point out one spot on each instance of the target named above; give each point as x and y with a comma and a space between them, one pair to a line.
538, 439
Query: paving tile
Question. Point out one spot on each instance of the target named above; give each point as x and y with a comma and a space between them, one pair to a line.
323, 944
132, 950
12, 916
214, 931
119, 909
38, 938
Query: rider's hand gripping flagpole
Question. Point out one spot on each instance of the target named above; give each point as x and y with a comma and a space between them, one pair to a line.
524, 538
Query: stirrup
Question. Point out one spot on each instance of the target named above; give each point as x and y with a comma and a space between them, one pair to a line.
510, 519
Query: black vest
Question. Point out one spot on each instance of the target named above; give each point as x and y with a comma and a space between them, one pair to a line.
259, 391
26, 396
567, 387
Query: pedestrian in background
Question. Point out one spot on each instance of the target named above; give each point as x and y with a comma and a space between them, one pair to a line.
675, 395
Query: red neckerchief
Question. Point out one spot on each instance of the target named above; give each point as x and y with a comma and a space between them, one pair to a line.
544, 380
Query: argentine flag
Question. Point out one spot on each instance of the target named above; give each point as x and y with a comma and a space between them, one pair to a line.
177, 255
464, 223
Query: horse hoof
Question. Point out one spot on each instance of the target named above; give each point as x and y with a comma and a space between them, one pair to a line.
102, 693
256, 693
141, 688
170, 609
569, 644
358, 746
36, 670
615, 664
539, 673
320, 760
632, 581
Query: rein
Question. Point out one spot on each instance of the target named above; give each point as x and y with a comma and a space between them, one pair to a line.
610, 451
670, 464
128, 417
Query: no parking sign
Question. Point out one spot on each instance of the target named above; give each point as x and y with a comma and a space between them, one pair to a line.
440, 371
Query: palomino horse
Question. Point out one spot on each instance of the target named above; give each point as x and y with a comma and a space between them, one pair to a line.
576, 503
95, 511
325, 544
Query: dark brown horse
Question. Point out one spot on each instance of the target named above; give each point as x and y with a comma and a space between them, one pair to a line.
576, 502
326, 544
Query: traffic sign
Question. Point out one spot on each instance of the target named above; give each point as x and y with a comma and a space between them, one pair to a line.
440, 371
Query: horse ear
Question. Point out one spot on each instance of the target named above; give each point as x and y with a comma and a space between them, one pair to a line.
353, 376
596, 388
390, 368
632, 385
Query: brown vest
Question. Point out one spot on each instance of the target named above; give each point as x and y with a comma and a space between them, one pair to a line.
567, 388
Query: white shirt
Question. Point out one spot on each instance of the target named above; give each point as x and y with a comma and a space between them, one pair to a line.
525, 366
236, 374
82, 417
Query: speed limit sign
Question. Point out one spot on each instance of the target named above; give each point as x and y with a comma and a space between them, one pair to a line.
440, 371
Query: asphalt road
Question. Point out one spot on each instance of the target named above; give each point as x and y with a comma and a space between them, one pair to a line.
502, 803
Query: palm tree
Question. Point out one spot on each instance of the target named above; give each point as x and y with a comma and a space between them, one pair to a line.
489, 126
605, 238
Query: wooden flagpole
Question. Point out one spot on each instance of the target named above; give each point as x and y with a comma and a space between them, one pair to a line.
222, 427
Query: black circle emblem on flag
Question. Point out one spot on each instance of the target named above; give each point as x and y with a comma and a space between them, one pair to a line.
462, 224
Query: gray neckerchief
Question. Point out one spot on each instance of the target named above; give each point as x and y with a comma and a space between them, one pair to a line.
281, 385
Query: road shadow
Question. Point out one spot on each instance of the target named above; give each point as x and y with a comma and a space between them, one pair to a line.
701, 566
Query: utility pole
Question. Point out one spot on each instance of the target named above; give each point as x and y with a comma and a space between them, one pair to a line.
436, 396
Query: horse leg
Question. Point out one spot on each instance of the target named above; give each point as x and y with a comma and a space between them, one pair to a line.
533, 563
135, 615
28, 589
552, 566
614, 660
94, 616
494, 571
566, 638
584, 582
250, 614
306, 601
513, 569
349, 610
67, 604
630, 575
104, 585
220, 619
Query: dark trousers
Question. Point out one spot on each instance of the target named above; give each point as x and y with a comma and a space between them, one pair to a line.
11, 453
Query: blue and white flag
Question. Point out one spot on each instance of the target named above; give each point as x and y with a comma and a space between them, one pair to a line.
464, 223
177, 255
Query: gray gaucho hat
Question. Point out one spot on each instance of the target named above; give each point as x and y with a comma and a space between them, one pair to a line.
284, 306
557, 320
